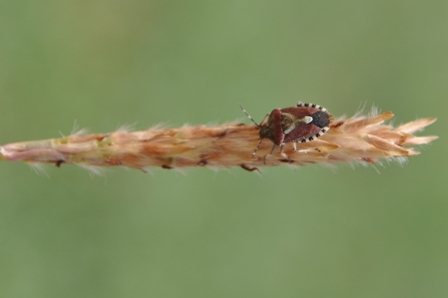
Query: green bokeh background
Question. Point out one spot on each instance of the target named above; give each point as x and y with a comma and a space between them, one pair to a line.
311, 232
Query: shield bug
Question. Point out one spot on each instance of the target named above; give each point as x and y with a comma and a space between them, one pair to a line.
300, 124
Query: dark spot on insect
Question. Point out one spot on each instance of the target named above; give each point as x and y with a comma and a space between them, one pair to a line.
167, 167
248, 168
58, 163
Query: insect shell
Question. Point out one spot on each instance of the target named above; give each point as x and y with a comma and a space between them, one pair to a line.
300, 124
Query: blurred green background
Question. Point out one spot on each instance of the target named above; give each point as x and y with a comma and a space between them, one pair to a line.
311, 232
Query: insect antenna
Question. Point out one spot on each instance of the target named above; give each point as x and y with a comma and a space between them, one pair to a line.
256, 149
250, 117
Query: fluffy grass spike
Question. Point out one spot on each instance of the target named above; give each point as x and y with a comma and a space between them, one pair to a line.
357, 139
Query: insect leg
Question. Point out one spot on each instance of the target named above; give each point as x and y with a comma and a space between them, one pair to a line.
264, 118
282, 147
324, 154
272, 151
